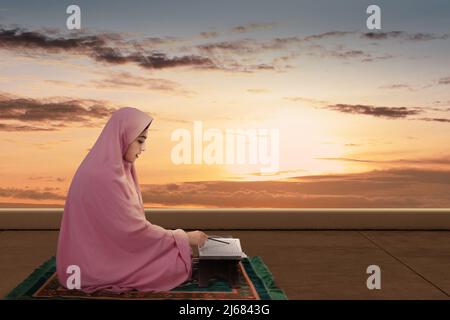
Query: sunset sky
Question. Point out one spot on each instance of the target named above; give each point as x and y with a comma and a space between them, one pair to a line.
363, 115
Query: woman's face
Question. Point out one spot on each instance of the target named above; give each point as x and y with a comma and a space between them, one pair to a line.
136, 147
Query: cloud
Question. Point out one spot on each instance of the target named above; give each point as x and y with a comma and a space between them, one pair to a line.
209, 34
349, 54
238, 29
313, 45
393, 188
376, 111
55, 113
35, 194
307, 100
66, 84
240, 55
46, 178
340, 52
20, 38
107, 48
219, 51
425, 161
397, 86
444, 81
156, 60
433, 83
330, 34
403, 36
435, 119
128, 80
13, 127
157, 41
376, 189
385, 112
241, 46
441, 103
253, 27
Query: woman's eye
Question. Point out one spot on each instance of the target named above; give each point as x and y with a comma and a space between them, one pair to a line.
140, 141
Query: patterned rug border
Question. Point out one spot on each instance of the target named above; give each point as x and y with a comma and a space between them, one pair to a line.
257, 275
172, 294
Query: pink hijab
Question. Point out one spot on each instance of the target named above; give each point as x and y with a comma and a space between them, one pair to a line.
104, 230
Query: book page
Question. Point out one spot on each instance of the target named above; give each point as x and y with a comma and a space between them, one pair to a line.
214, 249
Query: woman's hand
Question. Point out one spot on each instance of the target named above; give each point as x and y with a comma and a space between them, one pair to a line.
197, 238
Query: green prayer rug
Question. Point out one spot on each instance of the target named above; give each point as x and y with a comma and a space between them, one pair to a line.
255, 280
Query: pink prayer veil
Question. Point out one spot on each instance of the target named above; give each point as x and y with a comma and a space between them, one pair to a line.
104, 230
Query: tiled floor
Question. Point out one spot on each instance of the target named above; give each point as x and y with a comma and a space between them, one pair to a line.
305, 264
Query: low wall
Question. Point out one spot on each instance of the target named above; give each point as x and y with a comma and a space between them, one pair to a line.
253, 219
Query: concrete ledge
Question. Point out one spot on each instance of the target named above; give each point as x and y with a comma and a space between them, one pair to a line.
254, 219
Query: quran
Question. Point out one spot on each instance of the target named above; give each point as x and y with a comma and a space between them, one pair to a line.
215, 250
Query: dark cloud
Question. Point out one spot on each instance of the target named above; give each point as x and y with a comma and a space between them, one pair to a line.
35, 194
340, 52
378, 35
371, 58
242, 46
385, 112
435, 119
103, 47
349, 54
444, 81
156, 41
238, 29
330, 34
376, 111
209, 34
20, 38
54, 113
377, 189
403, 36
13, 127
114, 48
156, 60
310, 44
442, 103
231, 56
436, 82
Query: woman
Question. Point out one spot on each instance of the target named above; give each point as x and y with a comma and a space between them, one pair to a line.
104, 231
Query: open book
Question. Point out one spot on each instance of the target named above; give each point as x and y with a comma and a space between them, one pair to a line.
215, 250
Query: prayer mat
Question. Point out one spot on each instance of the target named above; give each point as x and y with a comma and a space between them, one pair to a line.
256, 283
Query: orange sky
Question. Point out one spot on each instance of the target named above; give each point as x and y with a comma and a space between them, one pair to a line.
363, 121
